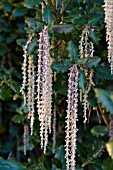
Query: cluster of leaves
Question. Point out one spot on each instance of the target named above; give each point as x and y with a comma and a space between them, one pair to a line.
65, 29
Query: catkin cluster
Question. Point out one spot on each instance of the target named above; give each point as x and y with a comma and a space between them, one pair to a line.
108, 8
44, 87
71, 119
86, 49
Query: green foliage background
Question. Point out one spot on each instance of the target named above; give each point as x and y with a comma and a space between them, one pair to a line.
18, 19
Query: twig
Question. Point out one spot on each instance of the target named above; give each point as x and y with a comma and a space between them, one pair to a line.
64, 10
57, 44
51, 4
39, 20
104, 116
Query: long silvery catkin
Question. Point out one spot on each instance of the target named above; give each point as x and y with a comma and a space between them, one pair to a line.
71, 119
31, 90
24, 70
108, 8
28, 83
44, 87
32, 98
40, 108
54, 123
26, 138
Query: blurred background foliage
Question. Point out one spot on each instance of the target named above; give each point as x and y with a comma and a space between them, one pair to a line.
18, 19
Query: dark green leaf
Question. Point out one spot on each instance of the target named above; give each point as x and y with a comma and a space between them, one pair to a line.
5, 93
29, 30
48, 14
105, 98
89, 62
29, 148
72, 51
6, 28
60, 155
67, 62
7, 6
32, 3
19, 11
99, 130
94, 19
21, 42
17, 74
18, 118
103, 72
107, 164
92, 99
32, 46
11, 38
7, 71
82, 80
11, 164
73, 18
59, 67
34, 24
57, 163
63, 28
3, 76
14, 85
1, 38
94, 36
55, 168
62, 91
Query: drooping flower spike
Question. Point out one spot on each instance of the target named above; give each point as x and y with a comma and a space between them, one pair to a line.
44, 87
86, 49
24, 69
31, 90
54, 123
71, 119
108, 8
28, 83
26, 138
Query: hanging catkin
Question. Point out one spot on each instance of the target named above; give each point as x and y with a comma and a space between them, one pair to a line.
86, 49
24, 70
44, 87
31, 90
54, 123
108, 8
28, 84
26, 138
71, 119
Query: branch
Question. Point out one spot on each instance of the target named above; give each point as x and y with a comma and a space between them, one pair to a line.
54, 1
38, 10
64, 10
51, 4
39, 20
57, 44
104, 116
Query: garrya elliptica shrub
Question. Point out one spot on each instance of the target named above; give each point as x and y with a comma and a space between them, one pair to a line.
66, 99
